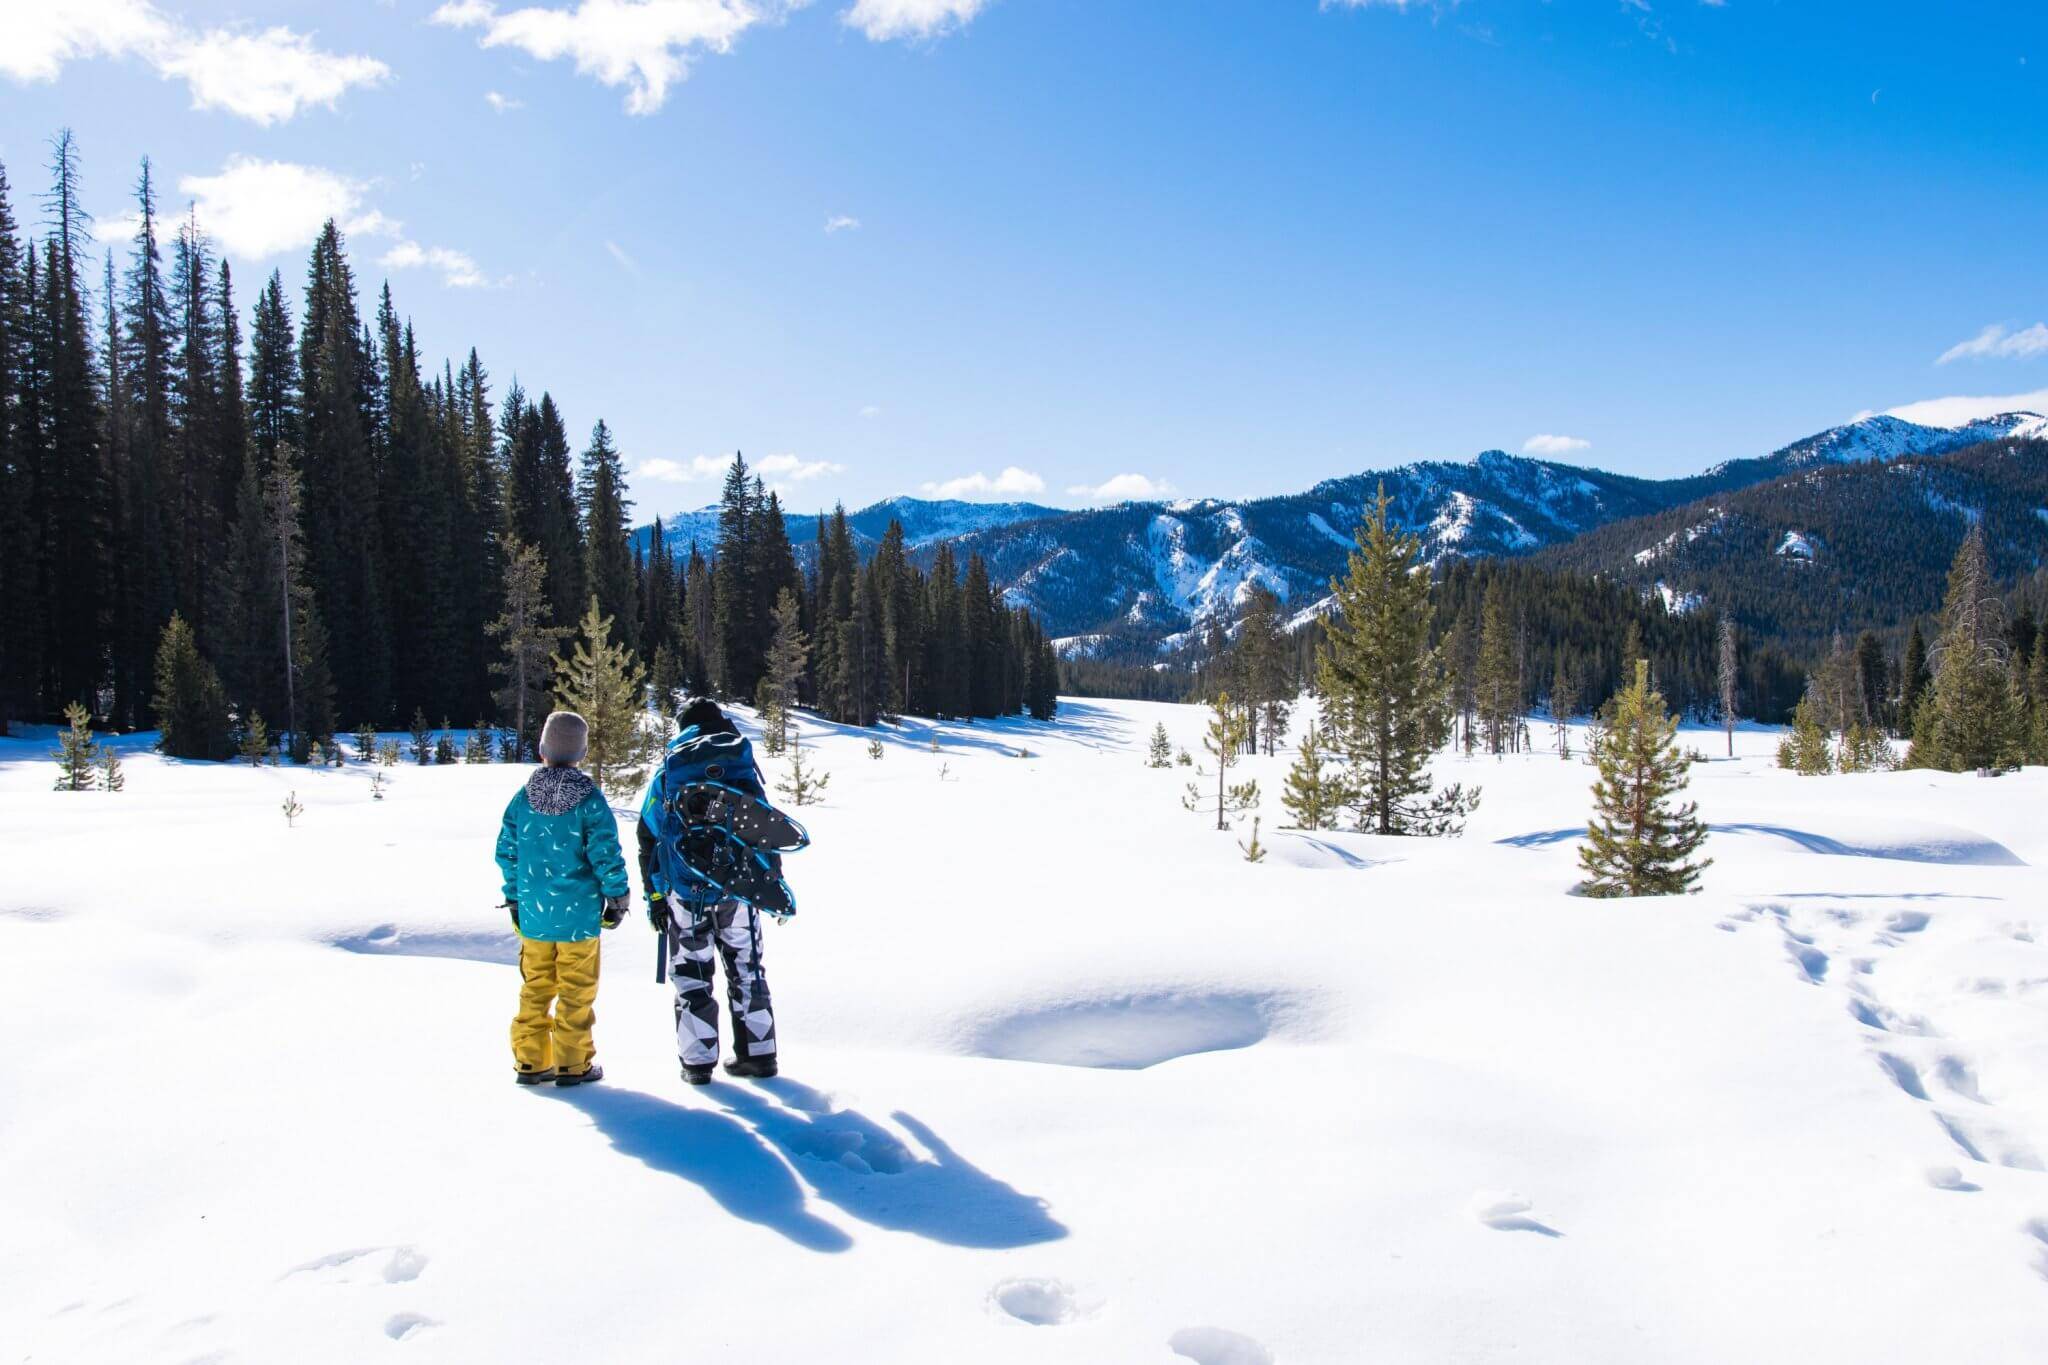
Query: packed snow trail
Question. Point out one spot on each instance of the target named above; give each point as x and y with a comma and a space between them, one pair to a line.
1048, 1096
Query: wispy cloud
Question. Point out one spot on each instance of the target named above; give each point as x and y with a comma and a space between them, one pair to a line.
264, 75
620, 254
1955, 411
643, 45
256, 208
884, 20
502, 104
696, 469
785, 469
871, 410
1122, 488
458, 269
840, 222
1996, 343
1011, 483
1544, 443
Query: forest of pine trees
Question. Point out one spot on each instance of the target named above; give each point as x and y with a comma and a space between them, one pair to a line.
327, 530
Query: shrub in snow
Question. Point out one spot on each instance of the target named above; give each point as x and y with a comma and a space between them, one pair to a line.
292, 809
1160, 755
112, 779
1313, 796
366, 743
1254, 852
1640, 841
255, 740
1225, 738
803, 783
874, 748
1805, 749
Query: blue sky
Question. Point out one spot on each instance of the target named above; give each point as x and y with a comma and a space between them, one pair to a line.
1070, 249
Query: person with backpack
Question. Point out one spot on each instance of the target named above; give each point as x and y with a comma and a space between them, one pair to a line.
699, 921
565, 883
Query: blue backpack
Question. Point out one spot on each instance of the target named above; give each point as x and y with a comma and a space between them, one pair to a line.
699, 760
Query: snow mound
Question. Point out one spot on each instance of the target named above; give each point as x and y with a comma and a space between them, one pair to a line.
467, 945
1135, 1030
1912, 841
1040, 1303
1216, 1346
1322, 850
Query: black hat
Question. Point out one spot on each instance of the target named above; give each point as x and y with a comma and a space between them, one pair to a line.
704, 714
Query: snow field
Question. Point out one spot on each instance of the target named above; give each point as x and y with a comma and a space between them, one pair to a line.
1066, 1078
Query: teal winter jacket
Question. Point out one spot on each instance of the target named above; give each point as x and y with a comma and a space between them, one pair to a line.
559, 851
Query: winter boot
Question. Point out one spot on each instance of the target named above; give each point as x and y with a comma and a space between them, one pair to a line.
591, 1073
751, 1068
534, 1077
696, 1075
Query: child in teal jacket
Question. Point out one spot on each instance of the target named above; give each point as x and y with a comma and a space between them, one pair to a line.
565, 882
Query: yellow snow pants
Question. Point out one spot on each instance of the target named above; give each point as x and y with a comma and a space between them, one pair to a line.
562, 975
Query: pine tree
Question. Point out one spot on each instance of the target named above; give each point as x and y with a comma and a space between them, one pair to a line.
1254, 852
526, 641
1640, 842
481, 747
255, 742
20, 530
603, 683
1160, 754
1225, 741
422, 738
76, 753
1312, 795
1564, 701
1913, 679
1805, 750
1382, 694
191, 707
803, 783
1971, 716
1726, 676
785, 667
112, 779
1495, 683
607, 535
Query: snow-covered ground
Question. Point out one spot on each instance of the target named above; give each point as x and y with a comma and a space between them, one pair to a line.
1066, 1079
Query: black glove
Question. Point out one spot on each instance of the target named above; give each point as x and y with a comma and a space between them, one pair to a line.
513, 906
657, 913
615, 910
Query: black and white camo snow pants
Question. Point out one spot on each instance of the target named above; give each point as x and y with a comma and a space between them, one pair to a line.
730, 930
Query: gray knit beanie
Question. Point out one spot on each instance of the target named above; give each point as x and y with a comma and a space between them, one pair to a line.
564, 738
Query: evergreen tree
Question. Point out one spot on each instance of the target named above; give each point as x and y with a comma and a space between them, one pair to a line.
1461, 668
803, 783
273, 384
191, 707
20, 629
785, 667
1805, 750
1495, 682
76, 753
1727, 678
737, 642
422, 738
607, 536
1376, 677
1564, 701
603, 683
112, 779
1640, 841
1971, 716
1225, 741
526, 642
1913, 679
1160, 754
1313, 795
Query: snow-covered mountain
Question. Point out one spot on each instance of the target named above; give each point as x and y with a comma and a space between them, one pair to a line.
1137, 577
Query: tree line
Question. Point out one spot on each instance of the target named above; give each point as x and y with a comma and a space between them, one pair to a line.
319, 527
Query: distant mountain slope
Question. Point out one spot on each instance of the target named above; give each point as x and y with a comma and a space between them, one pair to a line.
1837, 546
1132, 579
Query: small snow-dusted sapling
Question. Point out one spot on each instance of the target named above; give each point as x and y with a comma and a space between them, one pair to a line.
803, 783
602, 682
366, 743
76, 753
422, 738
256, 740
292, 809
112, 779
874, 748
1160, 755
444, 747
1225, 739
379, 784
1312, 796
1641, 840
388, 753
1805, 749
482, 745
1254, 852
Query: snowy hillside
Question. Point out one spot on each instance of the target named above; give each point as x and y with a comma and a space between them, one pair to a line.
925, 522
1065, 1079
1876, 439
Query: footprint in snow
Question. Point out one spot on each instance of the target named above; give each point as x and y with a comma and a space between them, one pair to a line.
402, 1326
1217, 1346
1507, 1213
1949, 1178
1041, 1303
402, 1267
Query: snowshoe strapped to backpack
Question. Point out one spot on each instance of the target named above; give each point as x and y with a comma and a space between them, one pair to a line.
709, 790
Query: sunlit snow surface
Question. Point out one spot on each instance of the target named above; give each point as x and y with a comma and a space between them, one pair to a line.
1066, 1078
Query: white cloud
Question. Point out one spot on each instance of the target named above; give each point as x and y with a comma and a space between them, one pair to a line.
266, 76
1122, 488
1955, 411
1543, 443
871, 410
458, 268
502, 104
1996, 343
643, 45
1385, 4
840, 222
1012, 482
620, 254
787, 469
696, 469
883, 20
256, 208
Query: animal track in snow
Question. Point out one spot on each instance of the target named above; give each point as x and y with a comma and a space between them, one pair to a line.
1949, 1178
1041, 1303
1990, 1144
1217, 1346
402, 1267
1907, 921
1131, 1032
1957, 1075
1811, 961
1507, 1213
